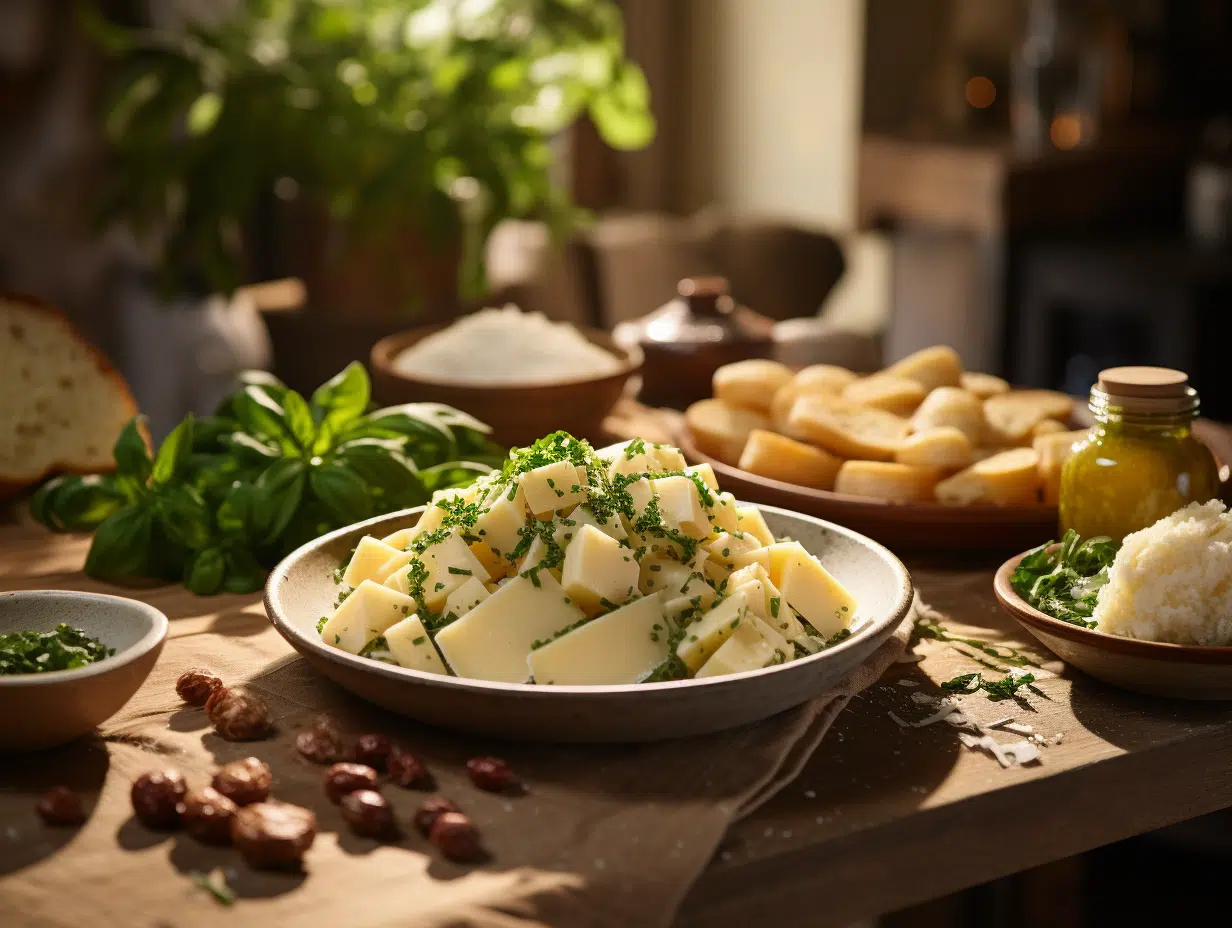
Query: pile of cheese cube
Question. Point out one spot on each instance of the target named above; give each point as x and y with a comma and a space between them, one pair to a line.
577, 567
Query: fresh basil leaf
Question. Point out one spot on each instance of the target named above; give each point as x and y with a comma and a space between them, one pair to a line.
184, 516
235, 516
299, 420
76, 504
277, 494
260, 414
244, 573
428, 441
205, 571
342, 399
121, 546
342, 491
251, 448
173, 453
387, 472
132, 454
452, 474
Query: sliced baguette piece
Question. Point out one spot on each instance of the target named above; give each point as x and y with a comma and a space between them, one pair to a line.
898, 395
1011, 416
62, 405
780, 407
720, 430
847, 429
943, 448
955, 407
823, 378
780, 458
1054, 449
983, 385
1010, 478
934, 367
750, 384
897, 483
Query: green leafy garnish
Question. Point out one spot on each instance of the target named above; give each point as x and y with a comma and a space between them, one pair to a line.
227, 496
43, 652
216, 888
997, 690
1063, 580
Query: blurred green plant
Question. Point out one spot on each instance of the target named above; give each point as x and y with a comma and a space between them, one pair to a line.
375, 110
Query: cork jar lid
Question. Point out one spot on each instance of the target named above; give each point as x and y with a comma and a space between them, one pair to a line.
1147, 389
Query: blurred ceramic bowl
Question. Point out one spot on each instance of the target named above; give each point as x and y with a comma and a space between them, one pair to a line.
519, 413
42, 710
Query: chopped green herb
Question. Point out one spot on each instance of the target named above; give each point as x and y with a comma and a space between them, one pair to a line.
221, 892
774, 607
419, 640
1064, 580
461, 571
66, 648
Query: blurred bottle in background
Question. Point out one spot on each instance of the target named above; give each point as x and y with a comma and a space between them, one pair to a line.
1058, 76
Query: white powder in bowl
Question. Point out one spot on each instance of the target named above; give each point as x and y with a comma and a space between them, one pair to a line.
1173, 580
506, 347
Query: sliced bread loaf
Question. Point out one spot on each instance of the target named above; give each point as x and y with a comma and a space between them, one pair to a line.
62, 405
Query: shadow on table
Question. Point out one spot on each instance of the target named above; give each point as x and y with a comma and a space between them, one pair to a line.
1133, 720
24, 839
191, 858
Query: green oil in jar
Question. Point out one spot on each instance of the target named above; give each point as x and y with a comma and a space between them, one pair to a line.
1140, 461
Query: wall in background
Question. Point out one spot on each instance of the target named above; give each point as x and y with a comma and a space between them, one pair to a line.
774, 126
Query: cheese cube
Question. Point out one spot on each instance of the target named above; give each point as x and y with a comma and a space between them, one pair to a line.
665, 458
449, 563
657, 572
780, 553
724, 515
753, 523
500, 524
465, 598
493, 563
396, 563
816, 595
716, 573
598, 570
567, 527
625, 463
681, 506
401, 539
767, 603
620, 647
366, 613
758, 556
369, 555
725, 548
642, 493
493, 640
706, 472
412, 647
551, 487
703, 637
751, 646
536, 557
609, 453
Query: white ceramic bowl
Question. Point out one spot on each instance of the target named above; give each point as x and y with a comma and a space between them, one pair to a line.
301, 590
42, 710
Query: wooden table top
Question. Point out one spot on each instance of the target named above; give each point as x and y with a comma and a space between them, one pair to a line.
882, 817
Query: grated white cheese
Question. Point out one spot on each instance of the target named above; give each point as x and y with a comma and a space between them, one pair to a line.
506, 346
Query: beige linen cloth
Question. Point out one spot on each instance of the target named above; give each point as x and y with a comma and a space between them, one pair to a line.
603, 836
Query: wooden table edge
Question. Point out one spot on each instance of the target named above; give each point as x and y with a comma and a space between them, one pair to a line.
955, 846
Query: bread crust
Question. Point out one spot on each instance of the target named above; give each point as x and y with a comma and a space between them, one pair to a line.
12, 484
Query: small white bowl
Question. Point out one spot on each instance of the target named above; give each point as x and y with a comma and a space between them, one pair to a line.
42, 710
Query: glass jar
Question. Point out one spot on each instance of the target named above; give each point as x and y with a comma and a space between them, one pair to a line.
1140, 461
